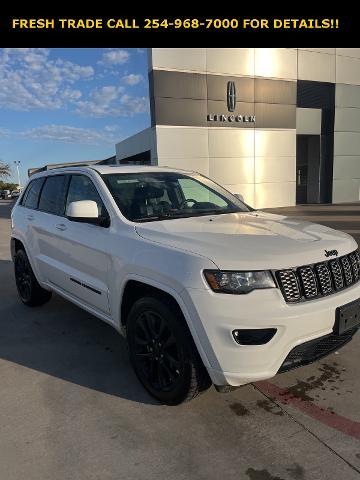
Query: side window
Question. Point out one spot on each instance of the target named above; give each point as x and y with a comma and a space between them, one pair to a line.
31, 196
25, 193
82, 188
52, 199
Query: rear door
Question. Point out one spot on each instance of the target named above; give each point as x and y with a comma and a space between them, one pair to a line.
49, 214
74, 253
25, 216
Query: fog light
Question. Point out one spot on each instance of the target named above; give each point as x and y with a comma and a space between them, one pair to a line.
258, 336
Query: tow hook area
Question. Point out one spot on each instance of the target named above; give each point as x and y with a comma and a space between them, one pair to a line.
225, 388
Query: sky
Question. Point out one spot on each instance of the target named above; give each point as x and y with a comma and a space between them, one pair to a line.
72, 104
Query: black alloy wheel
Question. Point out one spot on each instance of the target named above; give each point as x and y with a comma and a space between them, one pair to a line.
163, 353
30, 291
23, 277
158, 356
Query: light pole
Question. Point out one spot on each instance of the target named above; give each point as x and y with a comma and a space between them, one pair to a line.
17, 163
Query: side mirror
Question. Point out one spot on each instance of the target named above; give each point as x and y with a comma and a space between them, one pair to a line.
239, 196
83, 211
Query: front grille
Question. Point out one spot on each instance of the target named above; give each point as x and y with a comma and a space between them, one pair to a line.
354, 259
324, 276
347, 270
316, 280
313, 350
337, 275
308, 282
289, 284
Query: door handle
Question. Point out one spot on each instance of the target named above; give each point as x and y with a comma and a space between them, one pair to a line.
61, 226
30, 217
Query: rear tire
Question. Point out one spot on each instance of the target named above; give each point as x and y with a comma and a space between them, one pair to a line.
29, 289
163, 353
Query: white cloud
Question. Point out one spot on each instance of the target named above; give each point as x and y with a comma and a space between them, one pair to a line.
34, 79
111, 128
69, 134
71, 94
4, 132
132, 79
105, 95
29, 79
111, 101
114, 57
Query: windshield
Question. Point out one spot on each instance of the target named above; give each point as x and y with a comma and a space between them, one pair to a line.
151, 196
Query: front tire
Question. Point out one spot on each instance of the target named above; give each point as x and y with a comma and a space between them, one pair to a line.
29, 289
163, 353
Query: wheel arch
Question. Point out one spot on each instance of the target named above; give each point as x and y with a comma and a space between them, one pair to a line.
17, 244
136, 288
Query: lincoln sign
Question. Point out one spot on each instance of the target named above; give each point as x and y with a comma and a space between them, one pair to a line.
219, 117
231, 105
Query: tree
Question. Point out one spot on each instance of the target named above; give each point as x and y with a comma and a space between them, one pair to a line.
4, 170
8, 186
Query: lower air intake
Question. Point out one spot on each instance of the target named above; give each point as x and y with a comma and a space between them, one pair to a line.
313, 350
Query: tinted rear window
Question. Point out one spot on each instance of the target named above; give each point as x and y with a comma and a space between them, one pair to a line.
31, 196
53, 194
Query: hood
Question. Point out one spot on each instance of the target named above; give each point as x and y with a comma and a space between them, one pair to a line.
249, 241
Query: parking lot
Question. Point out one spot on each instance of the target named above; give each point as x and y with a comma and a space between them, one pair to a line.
72, 408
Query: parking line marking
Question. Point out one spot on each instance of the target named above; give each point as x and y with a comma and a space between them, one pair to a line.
323, 415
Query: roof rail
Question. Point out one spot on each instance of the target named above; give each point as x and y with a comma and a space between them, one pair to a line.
51, 166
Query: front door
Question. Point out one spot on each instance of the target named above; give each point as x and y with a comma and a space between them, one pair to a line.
308, 169
73, 254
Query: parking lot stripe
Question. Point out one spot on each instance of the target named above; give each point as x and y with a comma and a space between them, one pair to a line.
323, 415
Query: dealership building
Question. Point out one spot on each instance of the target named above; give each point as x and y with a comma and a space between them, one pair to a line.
280, 126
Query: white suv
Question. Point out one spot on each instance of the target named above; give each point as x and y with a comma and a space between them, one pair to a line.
206, 289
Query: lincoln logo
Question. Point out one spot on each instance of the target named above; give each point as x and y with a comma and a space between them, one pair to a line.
231, 105
231, 96
331, 253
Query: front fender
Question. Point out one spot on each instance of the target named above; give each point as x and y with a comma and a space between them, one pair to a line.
181, 299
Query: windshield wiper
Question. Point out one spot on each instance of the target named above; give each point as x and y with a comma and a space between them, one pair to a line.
173, 215
216, 211
162, 216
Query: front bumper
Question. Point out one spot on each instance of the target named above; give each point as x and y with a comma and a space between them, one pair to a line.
215, 316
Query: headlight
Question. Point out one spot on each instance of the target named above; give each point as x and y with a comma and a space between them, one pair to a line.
238, 282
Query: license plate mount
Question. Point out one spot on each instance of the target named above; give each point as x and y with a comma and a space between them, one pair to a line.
347, 317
